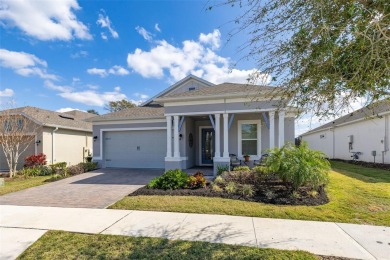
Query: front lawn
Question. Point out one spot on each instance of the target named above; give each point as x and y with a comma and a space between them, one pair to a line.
21, 183
66, 245
357, 195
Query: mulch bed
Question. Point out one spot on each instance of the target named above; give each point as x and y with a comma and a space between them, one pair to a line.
366, 164
273, 192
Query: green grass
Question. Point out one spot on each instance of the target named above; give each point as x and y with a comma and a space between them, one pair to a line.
21, 183
357, 195
66, 245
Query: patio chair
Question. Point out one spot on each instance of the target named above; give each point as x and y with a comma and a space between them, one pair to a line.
261, 161
234, 161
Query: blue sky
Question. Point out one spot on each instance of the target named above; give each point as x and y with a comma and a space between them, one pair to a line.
82, 54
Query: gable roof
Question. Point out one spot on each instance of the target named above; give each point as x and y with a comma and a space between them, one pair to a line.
368, 112
54, 119
176, 85
131, 114
222, 90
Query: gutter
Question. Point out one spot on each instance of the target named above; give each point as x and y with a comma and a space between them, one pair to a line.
52, 144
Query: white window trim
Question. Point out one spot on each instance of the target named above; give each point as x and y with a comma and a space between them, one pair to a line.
239, 124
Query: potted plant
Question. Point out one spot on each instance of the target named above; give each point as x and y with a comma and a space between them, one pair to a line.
247, 157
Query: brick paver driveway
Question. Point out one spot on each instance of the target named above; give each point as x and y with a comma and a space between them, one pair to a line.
97, 189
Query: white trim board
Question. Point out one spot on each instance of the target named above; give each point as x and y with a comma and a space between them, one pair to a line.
220, 112
121, 130
129, 121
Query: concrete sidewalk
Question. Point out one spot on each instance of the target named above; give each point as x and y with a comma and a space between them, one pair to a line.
322, 238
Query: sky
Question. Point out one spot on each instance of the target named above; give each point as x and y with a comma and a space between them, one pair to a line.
67, 54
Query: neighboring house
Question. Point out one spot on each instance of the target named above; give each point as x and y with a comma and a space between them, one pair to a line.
193, 123
366, 131
62, 137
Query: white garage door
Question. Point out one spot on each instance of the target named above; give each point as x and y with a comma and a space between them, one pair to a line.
135, 149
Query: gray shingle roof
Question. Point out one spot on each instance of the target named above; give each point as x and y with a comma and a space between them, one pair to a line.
132, 113
224, 89
51, 118
365, 112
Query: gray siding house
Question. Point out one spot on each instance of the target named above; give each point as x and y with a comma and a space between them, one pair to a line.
193, 123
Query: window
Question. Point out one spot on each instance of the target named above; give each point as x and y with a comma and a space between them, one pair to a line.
249, 137
20, 124
7, 126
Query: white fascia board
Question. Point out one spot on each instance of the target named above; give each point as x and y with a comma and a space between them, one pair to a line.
68, 128
137, 121
121, 119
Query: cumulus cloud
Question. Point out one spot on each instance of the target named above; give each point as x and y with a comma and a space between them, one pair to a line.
79, 54
144, 33
104, 22
93, 98
115, 70
7, 92
24, 64
141, 96
45, 19
50, 85
157, 27
67, 109
193, 57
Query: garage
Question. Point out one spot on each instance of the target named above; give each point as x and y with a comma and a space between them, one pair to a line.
135, 149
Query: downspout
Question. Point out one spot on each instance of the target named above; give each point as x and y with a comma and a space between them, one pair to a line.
52, 144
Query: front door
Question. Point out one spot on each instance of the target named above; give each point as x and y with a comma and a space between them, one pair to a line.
208, 146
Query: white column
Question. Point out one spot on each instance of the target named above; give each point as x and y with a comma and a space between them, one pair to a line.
169, 136
271, 129
176, 151
259, 139
217, 136
281, 128
226, 135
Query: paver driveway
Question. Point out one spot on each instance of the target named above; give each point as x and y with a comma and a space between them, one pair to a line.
97, 189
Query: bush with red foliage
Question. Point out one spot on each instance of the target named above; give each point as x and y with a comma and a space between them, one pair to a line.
35, 160
197, 181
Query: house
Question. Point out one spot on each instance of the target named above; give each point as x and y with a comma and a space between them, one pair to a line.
365, 132
62, 137
193, 123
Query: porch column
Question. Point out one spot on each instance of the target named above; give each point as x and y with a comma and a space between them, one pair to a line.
217, 136
226, 135
281, 128
176, 151
271, 129
169, 136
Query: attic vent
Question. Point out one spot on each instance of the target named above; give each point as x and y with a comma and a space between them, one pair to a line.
191, 88
66, 117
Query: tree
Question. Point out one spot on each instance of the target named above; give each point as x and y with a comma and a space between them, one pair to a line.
325, 54
17, 133
115, 106
92, 111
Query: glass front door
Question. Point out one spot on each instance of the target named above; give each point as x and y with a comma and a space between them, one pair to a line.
208, 146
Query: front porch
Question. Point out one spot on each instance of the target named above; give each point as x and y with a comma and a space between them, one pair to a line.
209, 139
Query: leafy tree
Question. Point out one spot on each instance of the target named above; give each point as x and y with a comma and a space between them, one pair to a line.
115, 106
325, 54
92, 111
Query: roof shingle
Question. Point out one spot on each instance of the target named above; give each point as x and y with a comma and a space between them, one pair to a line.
132, 113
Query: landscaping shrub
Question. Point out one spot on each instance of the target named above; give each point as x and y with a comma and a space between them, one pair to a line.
88, 166
231, 188
39, 170
219, 180
216, 188
299, 166
242, 168
35, 160
170, 180
59, 168
75, 169
247, 190
222, 168
196, 181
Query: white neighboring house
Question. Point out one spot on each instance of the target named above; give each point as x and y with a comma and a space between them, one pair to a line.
366, 131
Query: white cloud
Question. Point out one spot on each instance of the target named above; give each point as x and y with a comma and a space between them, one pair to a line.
44, 19
144, 33
213, 39
193, 57
94, 98
104, 36
67, 109
157, 27
95, 71
7, 92
115, 70
104, 22
49, 84
79, 54
24, 64
118, 70
141, 96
